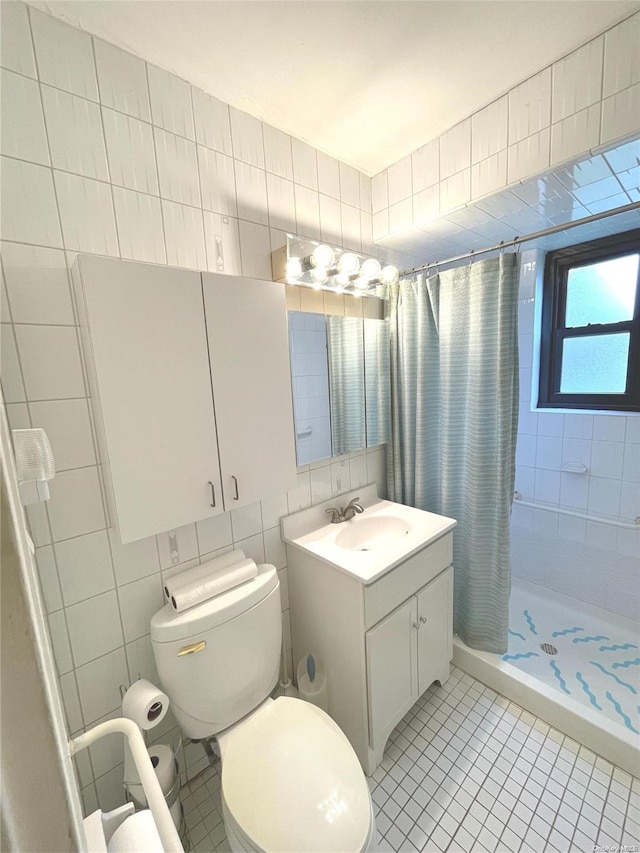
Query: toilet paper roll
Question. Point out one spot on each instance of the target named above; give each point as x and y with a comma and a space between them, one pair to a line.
166, 770
198, 572
138, 834
214, 584
164, 764
145, 704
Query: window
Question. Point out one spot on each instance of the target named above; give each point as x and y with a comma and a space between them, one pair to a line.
590, 333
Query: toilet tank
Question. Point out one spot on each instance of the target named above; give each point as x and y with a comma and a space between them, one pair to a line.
237, 635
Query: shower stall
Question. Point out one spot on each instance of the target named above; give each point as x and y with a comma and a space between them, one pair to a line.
574, 636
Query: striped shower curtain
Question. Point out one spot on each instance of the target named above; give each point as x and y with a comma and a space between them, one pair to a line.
454, 392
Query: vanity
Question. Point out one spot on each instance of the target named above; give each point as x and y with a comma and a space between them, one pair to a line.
372, 597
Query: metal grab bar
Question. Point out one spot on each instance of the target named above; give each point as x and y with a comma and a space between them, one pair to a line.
155, 798
633, 525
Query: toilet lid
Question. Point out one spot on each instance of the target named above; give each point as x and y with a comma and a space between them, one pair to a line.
292, 782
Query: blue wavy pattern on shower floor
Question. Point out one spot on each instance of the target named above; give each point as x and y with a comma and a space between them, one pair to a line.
618, 708
587, 690
626, 664
589, 639
614, 676
566, 631
521, 655
515, 634
556, 671
617, 648
530, 622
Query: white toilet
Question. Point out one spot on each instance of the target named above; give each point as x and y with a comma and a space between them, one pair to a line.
290, 778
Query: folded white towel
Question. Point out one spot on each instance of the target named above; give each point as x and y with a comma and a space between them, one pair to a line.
203, 571
214, 584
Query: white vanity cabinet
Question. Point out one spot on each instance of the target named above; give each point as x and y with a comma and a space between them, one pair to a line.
407, 651
384, 643
190, 383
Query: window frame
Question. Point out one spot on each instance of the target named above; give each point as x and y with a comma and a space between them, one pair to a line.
553, 332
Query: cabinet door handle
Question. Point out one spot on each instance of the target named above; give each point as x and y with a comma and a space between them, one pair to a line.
423, 620
236, 497
416, 626
213, 494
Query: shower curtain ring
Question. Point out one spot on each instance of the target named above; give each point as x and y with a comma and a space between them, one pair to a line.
501, 248
471, 256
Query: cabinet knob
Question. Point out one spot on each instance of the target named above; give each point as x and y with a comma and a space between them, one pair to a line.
423, 619
416, 626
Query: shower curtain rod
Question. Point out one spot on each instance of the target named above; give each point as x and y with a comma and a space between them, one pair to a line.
505, 244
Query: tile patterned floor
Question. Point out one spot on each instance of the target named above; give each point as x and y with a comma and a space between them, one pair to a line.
467, 771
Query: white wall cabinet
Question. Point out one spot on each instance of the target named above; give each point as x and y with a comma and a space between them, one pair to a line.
383, 643
187, 396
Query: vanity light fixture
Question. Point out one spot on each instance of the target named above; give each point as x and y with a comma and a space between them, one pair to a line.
328, 267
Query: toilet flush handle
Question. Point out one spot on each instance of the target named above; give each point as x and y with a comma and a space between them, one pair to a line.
192, 648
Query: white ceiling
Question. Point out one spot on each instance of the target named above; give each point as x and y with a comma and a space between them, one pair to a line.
367, 81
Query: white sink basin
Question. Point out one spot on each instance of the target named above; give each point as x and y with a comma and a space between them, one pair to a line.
369, 544
364, 533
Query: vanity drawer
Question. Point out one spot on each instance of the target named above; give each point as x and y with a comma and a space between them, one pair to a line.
404, 580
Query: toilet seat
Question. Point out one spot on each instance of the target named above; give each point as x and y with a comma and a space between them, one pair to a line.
292, 782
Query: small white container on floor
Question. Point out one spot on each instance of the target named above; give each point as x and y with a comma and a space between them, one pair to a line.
314, 691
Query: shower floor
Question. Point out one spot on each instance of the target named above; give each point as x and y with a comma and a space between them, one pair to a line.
584, 652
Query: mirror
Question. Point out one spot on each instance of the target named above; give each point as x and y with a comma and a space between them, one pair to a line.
345, 351
377, 370
341, 384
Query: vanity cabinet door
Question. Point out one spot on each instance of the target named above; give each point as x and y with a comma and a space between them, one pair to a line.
249, 357
392, 648
435, 636
145, 344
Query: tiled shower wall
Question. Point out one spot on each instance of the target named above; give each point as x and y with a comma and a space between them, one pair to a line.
587, 99
589, 560
104, 154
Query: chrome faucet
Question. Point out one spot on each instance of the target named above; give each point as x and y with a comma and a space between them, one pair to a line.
346, 512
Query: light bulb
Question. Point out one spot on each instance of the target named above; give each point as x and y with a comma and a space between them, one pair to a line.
348, 264
389, 274
370, 269
342, 279
323, 256
319, 275
361, 283
294, 268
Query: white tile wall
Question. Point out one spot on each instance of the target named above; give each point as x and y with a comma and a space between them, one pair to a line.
64, 56
21, 184
15, 40
621, 56
587, 99
22, 110
74, 129
212, 124
455, 149
122, 80
130, 151
305, 166
139, 224
246, 135
592, 561
277, 152
577, 80
121, 134
328, 175
170, 102
86, 214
